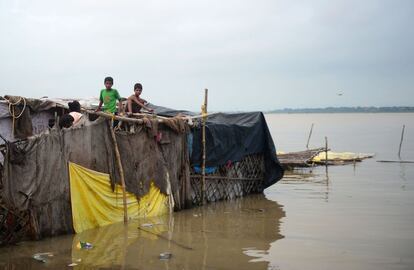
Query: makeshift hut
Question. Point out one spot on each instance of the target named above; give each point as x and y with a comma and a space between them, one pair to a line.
22, 117
240, 156
61, 181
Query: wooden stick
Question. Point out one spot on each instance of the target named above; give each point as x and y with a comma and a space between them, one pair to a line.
4, 139
310, 134
201, 115
165, 238
203, 167
326, 151
117, 117
214, 177
56, 119
13, 122
120, 169
160, 119
397, 161
402, 137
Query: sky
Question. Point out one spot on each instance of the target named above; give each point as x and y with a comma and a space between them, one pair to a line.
251, 55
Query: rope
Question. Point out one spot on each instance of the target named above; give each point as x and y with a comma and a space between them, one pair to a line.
17, 103
12, 111
14, 104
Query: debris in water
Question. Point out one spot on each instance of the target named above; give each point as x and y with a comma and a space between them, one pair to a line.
165, 255
149, 225
84, 245
259, 210
42, 257
72, 264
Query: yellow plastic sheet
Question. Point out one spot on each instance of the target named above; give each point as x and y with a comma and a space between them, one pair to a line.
94, 204
341, 156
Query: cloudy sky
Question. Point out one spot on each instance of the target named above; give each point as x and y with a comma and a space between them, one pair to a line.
251, 55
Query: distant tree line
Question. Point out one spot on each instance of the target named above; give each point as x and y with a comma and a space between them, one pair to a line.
394, 109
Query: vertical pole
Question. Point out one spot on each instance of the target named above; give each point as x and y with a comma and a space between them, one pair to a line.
310, 134
120, 169
326, 151
13, 121
203, 168
402, 137
56, 120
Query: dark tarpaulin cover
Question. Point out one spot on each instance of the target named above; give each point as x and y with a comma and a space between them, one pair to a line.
231, 136
168, 112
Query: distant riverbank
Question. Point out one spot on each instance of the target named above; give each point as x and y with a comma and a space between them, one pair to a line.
395, 109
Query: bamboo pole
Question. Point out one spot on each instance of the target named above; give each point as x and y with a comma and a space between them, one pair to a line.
166, 238
397, 161
116, 117
56, 120
310, 134
402, 137
160, 119
326, 151
201, 116
203, 167
121, 170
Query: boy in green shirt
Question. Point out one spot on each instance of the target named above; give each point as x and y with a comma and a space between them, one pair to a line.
108, 97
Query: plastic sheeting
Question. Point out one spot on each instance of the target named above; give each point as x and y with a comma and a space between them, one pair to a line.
164, 111
232, 136
341, 156
94, 204
36, 179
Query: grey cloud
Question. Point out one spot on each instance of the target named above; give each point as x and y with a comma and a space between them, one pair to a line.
251, 54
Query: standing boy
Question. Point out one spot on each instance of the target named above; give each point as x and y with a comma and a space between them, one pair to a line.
108, 97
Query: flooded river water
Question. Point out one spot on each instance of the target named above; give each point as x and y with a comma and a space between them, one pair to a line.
347, 217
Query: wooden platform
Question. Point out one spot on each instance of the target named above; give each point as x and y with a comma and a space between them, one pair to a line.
317, 156
299, 159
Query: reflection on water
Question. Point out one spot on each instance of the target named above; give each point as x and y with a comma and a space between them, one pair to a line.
358, 216
314, 184
403, 176
223, 235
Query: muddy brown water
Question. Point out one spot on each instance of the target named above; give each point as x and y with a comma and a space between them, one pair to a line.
347, 217
218, 236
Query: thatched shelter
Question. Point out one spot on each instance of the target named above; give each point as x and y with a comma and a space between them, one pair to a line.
162, 151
